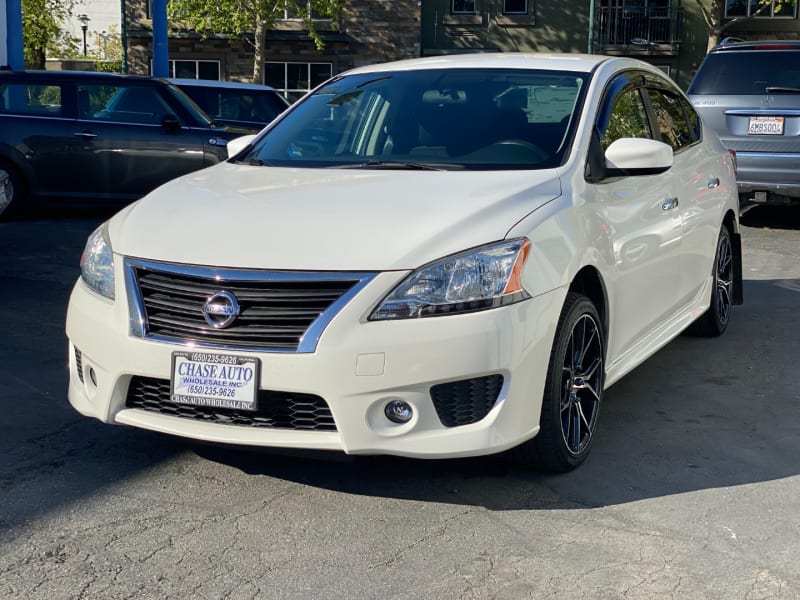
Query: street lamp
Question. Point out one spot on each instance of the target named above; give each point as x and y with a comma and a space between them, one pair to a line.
84, 26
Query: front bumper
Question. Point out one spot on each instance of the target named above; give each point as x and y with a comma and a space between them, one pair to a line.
357, 368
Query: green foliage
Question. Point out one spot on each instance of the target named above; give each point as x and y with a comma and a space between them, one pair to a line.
108, 66
41, 27
249, 20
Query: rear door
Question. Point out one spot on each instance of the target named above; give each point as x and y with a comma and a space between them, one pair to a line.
700, 175
642, 224
36, 125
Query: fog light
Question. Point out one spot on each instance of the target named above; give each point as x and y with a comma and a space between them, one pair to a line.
92, 376
398, 411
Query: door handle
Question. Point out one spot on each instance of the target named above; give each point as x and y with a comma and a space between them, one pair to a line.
85, 134
218, 142
713, 183
669, 204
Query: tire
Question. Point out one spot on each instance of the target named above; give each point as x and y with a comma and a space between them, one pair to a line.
573, 392
16, 192
714, 321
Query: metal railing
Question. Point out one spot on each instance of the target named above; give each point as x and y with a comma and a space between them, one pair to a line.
641, 27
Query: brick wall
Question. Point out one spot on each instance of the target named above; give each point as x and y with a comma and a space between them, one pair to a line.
368, 31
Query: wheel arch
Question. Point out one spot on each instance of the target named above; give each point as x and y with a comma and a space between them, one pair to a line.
16, 160
589, 283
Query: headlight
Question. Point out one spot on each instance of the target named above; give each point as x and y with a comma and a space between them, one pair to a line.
478, 279
97, 263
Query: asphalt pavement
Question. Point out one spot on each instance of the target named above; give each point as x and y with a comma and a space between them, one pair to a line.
692, 489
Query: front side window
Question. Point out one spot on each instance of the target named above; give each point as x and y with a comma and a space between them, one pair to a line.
30, 99
295, 79
475, 119
760, 9
628, 119
463, 7
121, 104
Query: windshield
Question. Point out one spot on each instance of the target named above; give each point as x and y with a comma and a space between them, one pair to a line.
478, 119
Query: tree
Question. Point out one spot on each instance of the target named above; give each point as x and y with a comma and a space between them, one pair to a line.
714, 15
41, 27
249, 20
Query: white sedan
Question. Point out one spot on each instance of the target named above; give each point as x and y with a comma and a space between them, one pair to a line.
440, 257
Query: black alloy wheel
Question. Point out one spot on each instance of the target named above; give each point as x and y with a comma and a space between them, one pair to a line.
714, 321
573, 391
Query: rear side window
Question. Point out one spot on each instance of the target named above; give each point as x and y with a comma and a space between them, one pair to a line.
29, 99
747, 72
670, 119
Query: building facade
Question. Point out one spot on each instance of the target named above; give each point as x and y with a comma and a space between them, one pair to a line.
365, 32
670, 34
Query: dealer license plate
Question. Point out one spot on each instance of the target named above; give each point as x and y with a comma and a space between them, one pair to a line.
765, 126
218, 380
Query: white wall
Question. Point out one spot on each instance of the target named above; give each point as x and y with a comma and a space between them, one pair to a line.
103, 14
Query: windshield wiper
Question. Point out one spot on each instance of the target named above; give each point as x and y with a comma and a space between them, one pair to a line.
776, 89
397, 164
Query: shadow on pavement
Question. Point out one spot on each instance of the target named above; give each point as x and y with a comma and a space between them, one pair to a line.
700, 414
771, 217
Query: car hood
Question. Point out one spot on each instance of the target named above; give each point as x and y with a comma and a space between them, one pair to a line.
234, 215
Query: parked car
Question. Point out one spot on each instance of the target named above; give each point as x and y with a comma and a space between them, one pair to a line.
432, 258
243, 105
749, 94
78, 136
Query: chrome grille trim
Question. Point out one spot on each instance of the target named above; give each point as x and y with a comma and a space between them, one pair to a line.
217, 279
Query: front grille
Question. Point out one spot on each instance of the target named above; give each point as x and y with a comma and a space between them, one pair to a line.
79, 363
276, 410
275, 309
466, 401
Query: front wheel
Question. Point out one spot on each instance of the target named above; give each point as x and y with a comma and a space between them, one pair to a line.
573, 391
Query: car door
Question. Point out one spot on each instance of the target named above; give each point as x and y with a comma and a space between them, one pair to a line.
129, 140
699, 190
639, 222
36, 125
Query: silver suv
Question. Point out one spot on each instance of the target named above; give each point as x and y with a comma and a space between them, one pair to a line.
749, 93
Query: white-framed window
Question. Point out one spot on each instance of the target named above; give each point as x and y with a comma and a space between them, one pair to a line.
747, 8
294, 79
462, 7
195, 69
515, 7
294, 13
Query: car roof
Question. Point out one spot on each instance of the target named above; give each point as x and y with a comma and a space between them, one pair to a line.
211, 83
56, 74
738, 45
583, 63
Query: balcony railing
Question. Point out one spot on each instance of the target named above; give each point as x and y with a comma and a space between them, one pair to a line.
639, 29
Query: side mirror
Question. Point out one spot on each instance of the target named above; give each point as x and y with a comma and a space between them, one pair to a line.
236, 145
637, 156
171, 123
